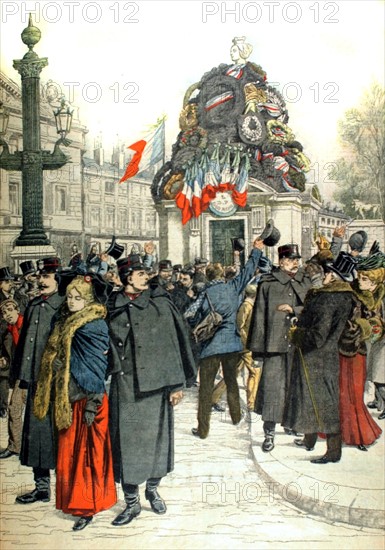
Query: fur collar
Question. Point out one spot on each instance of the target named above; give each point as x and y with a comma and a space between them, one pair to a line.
59, 347
334, 286
371, 299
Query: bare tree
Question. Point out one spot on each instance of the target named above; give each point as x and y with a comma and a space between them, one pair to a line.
360, 174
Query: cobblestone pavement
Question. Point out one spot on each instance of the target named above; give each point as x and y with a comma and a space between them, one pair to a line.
215, 499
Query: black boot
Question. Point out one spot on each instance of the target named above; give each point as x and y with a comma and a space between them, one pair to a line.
269, 429
133, 508
333, 452
158, 505
308, 441
82, 522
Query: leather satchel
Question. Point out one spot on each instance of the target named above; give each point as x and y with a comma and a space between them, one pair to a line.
206, 329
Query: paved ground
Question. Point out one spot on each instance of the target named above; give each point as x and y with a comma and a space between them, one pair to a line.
216, 499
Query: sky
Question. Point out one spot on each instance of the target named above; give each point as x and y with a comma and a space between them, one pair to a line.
124, 64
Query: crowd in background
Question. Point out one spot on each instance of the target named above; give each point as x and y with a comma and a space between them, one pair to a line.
310, 332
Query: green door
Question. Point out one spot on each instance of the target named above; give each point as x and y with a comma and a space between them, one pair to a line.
221, 233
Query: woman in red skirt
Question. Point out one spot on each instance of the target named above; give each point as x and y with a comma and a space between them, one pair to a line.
357, 426
74, 364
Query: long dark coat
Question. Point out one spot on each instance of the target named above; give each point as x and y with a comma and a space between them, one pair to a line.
269, 328
150, 356
38, 446
320, 326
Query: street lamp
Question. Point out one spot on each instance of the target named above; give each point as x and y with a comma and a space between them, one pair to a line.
32, 160
63, 118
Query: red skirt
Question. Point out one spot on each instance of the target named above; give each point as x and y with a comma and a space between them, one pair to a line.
357, 425
84, 475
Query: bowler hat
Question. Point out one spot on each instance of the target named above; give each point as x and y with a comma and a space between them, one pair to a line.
165, 265
270, 235
358, 241
27, 267
288, 251
5, 274
238, 245
115, 250
177, 268
133, 262
48, 265
343, 265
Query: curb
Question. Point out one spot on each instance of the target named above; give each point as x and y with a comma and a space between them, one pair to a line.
315, 495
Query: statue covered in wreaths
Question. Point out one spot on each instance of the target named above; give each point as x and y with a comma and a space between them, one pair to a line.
233, 125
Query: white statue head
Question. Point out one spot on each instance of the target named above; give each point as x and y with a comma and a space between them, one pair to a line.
240, 50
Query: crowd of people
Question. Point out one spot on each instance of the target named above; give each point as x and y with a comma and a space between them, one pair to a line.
96, 355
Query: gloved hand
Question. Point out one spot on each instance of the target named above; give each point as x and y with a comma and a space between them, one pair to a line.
88, 417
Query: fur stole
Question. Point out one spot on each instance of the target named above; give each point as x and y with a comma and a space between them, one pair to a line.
59, 347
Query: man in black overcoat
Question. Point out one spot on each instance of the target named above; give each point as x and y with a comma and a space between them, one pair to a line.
280, 297
38, 445
150, 361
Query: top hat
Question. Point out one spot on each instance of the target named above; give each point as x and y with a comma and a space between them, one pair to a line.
165, 265
270, 235
48, 265
288, 251
133, 262
115, 250
238, 245
5, 274
200, 261
358, 241
343, 265
27, 267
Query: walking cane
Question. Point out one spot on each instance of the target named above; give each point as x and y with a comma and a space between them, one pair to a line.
293, 323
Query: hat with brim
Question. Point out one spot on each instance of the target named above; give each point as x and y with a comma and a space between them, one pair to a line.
344, 266
133, 262
358, 241
165, 265
48, 265
102, 289
270, 235
27, 267
115, 250
5, 274
200, 262
289, 251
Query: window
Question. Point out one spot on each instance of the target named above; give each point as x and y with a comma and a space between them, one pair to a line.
109, 187
135, 220
110, 214
323, 221
123, 219
328, 221
95, 216
61, 200
14, 198
150, 221
256, 218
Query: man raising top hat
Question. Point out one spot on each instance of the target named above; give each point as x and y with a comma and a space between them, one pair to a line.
281, 295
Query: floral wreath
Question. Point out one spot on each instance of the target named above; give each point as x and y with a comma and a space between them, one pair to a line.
197, 131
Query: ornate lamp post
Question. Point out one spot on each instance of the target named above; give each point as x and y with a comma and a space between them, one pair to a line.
32, 160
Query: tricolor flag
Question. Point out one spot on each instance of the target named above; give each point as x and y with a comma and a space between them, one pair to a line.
133, 166
147, 152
